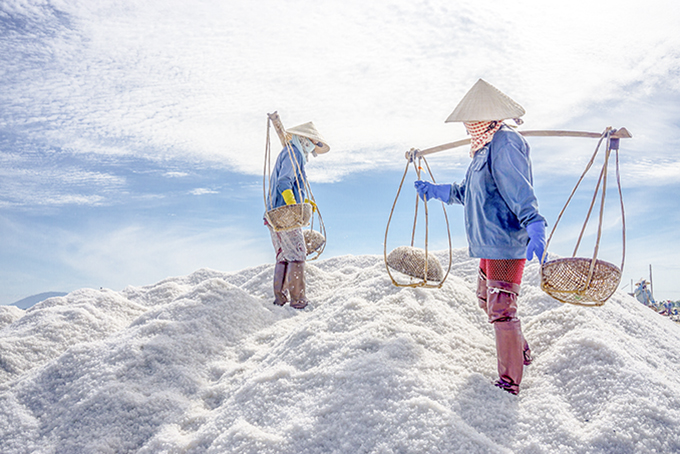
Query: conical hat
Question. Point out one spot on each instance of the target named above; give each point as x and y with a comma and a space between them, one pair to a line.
309, 130
484, 102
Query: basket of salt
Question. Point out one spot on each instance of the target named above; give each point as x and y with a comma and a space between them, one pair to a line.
567, 280
314, 240
411, 261
588, 281
288, 217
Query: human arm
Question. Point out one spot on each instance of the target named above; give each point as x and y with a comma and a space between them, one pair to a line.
289, 177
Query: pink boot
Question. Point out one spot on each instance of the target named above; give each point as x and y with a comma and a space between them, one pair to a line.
482, 300
509, 353
510, 343
482, 290
280, 297
526, 352
295, 280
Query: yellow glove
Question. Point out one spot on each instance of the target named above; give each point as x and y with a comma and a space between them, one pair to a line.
289, 197
312, 204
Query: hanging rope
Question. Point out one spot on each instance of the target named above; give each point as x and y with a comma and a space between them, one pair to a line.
423, 282
580, 281
315, 208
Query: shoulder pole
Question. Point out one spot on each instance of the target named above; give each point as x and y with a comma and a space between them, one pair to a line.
284, 137
617, 134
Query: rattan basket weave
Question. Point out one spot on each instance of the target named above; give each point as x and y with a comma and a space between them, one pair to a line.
411, 261
289, 217
566, 280
313, 240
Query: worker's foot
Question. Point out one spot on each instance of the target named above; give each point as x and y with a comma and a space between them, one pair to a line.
505, 386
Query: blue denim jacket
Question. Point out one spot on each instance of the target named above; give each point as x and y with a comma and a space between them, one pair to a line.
498, 198
284, 177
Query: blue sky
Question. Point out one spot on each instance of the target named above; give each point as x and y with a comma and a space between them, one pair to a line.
132, 134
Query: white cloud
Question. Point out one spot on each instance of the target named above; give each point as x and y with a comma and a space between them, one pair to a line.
652, 173
377, 78
203, 191
120, 81
175, 174
46, 186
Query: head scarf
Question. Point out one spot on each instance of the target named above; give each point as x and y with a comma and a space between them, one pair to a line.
481, 133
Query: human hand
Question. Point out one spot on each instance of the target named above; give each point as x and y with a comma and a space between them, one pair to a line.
289, 197
536, 232
429, 191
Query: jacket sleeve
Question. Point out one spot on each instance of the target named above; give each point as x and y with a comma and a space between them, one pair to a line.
286, 173
457, 194
511, 169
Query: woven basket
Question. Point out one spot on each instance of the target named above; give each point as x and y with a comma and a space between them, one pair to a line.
288, 217
313, 240
565, 280
411, 261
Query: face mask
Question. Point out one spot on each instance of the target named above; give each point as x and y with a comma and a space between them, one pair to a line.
481, 133
307, 144
304, 145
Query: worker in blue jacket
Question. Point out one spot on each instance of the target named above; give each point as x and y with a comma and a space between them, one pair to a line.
502, 221
287, 187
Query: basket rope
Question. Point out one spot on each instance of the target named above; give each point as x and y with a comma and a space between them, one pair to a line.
553, 279
422, 282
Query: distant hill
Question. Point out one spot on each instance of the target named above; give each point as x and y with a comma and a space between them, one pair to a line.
30, 301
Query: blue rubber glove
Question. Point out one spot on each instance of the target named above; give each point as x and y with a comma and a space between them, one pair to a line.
429, 191
536, 232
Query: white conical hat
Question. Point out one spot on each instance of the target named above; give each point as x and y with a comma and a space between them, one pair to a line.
484, 102
309, 130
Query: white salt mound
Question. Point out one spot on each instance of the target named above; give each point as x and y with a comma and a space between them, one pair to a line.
206, 363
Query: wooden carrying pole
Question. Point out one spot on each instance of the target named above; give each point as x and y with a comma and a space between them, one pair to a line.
284, 137
619, 134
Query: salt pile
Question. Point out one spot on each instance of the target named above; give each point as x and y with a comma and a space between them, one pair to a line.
205, 363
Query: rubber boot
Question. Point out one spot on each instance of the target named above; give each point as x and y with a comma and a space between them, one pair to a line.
482, 291
295, 280
526, 352
482, 296
510, 343
280, 297
509, 353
